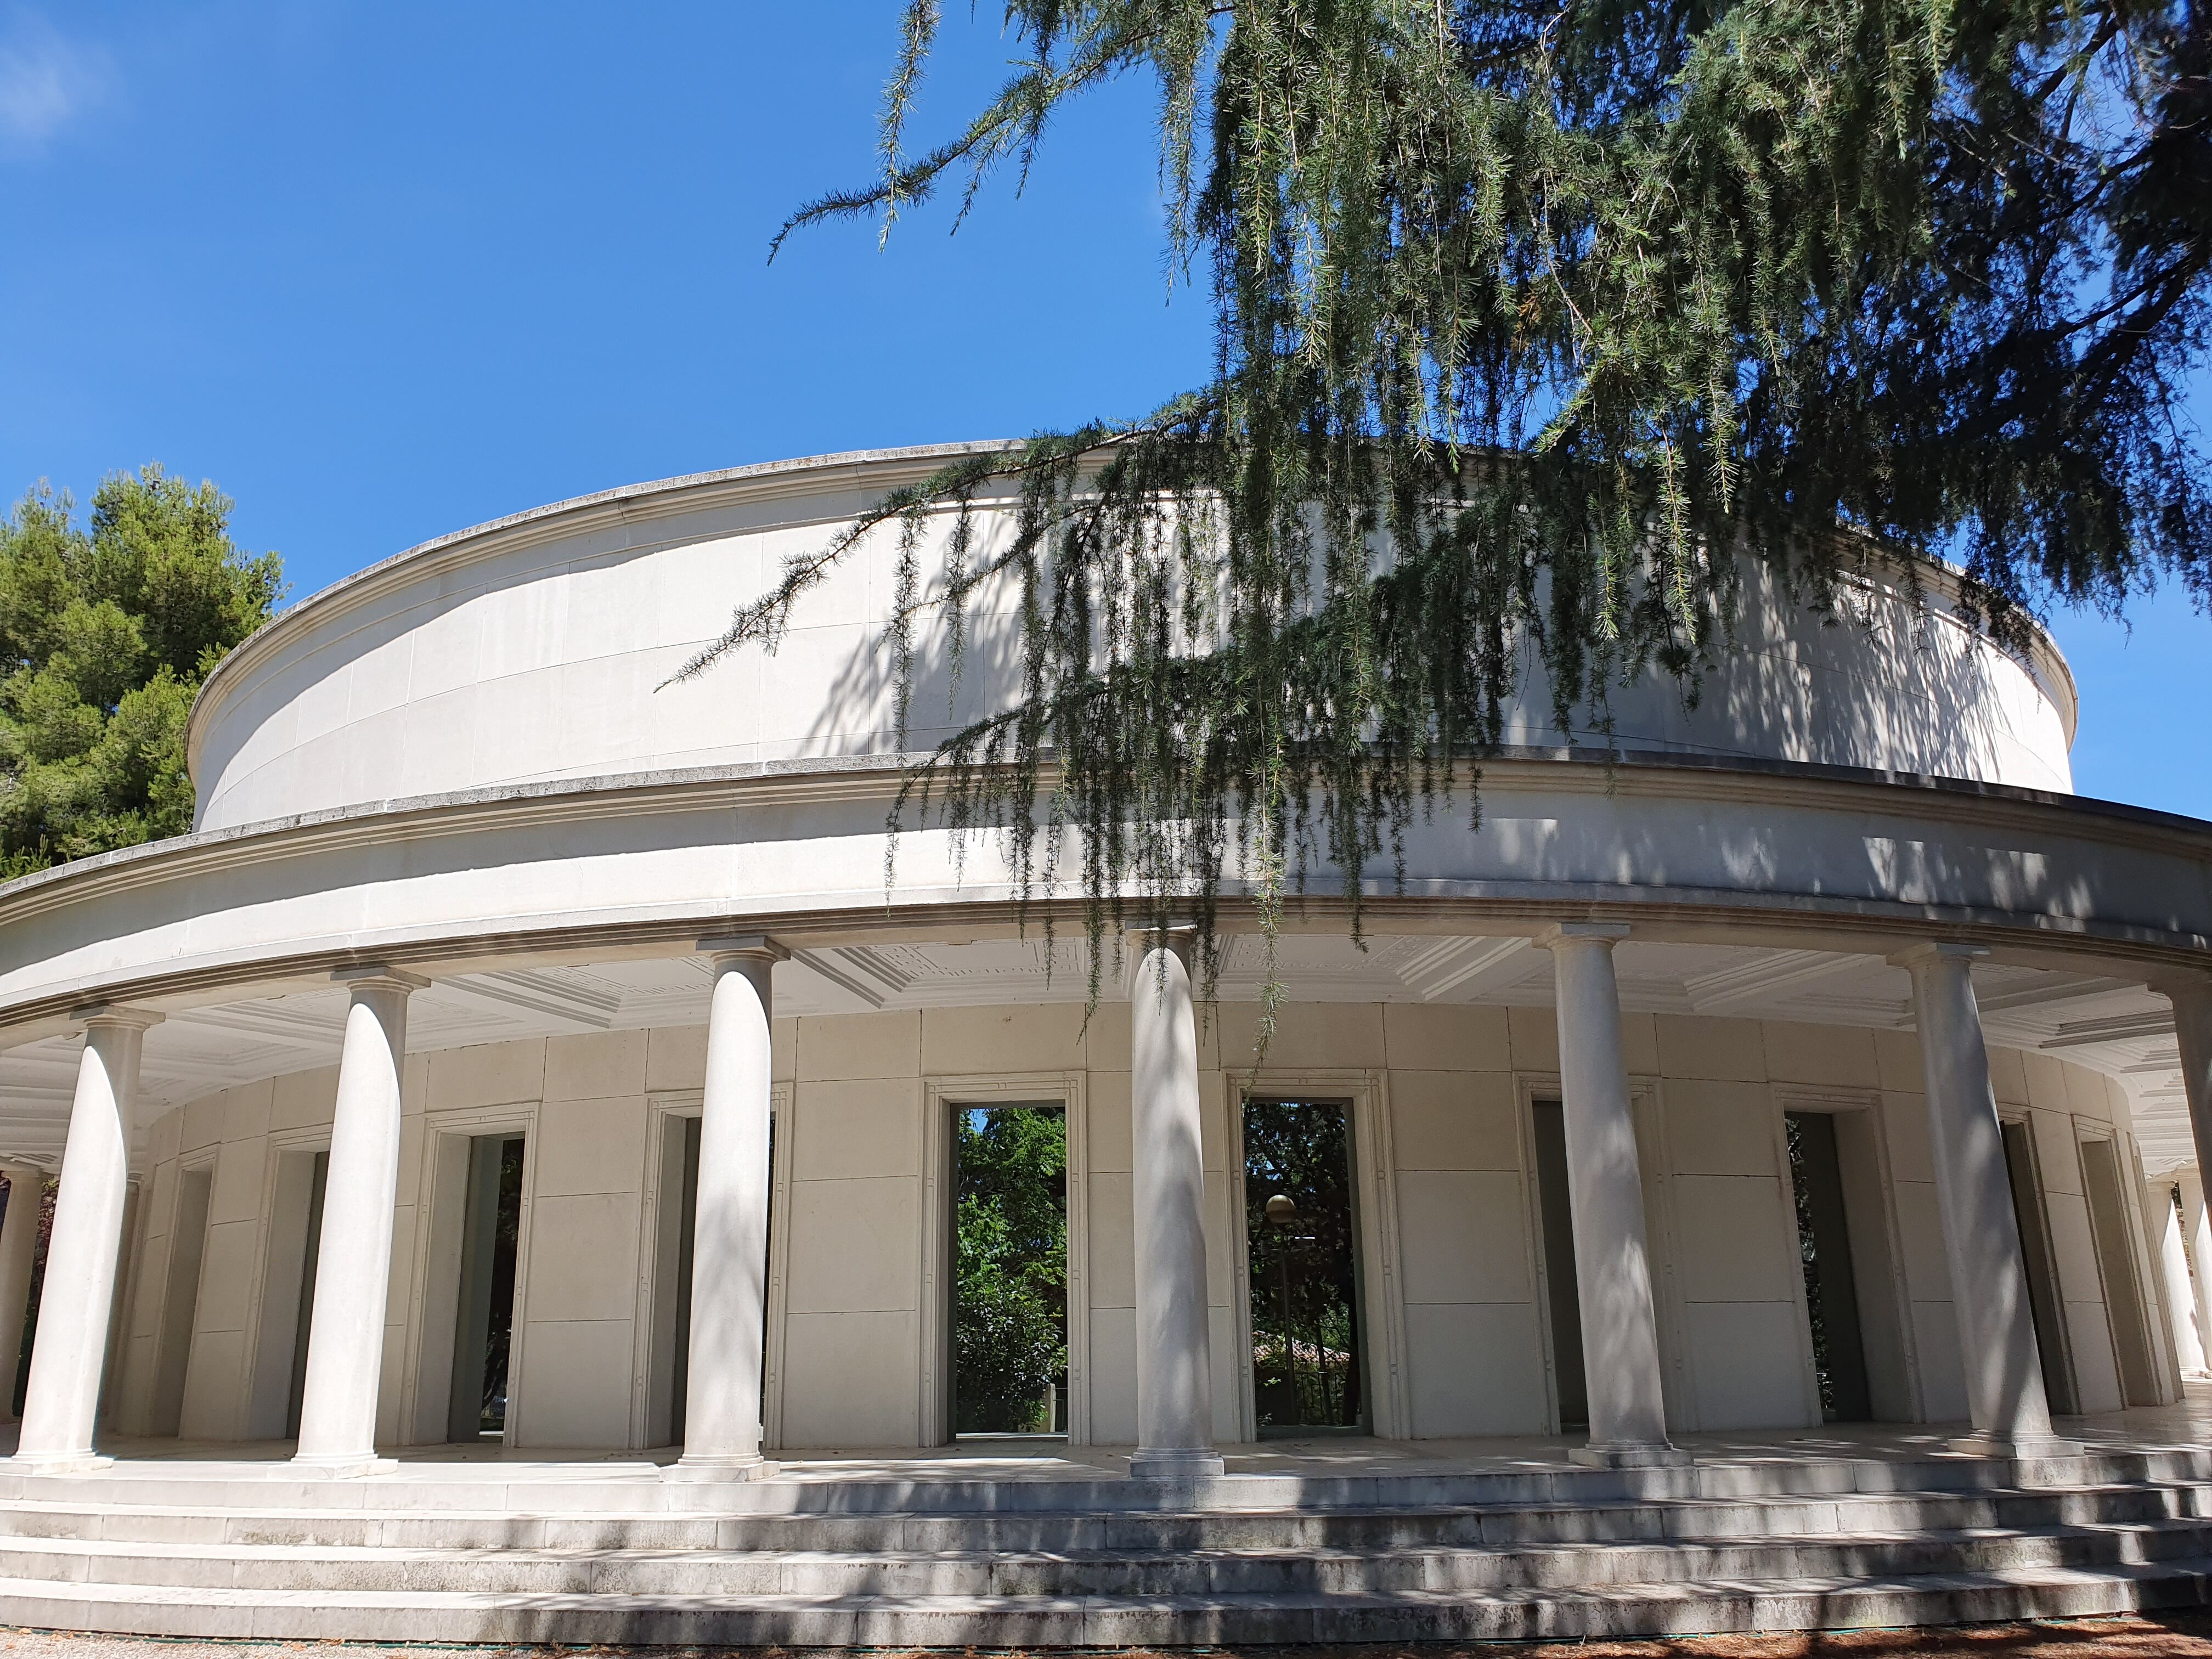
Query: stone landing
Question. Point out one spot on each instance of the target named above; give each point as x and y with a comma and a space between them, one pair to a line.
1014, 1546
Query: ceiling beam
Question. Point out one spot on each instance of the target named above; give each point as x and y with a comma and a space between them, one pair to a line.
2117, 1028
540, 992
1765, 977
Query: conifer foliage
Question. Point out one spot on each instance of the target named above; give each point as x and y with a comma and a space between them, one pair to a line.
107, 629
1533, 317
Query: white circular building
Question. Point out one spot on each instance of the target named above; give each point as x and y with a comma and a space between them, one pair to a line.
524, 1058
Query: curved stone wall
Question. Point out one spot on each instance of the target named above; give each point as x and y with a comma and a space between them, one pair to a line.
536, 648
1453, 1321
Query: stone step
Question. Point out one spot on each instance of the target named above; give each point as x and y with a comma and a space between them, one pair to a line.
1212, 1571
907, 1620
1470, 1525
612, 1554
635, 1485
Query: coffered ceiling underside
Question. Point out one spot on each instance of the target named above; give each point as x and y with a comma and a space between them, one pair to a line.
2113, 1026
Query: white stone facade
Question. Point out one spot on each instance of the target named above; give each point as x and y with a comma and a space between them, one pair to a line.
462, 869
1439, 1095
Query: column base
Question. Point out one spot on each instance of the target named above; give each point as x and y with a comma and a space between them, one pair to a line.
60, 1463
710, 1469
1629, 1454
2030, 1446
341, 1468
1181, 1464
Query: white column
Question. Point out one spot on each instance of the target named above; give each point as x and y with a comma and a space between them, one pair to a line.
1605, 1199
1174, 1359
2197, 1234
2191, 998
353, 1265
62, 1404
2174, 1274
2192, 1029
729, 1243
19, 1243
1973, 1194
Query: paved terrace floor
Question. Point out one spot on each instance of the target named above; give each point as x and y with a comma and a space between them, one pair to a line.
2186, 1423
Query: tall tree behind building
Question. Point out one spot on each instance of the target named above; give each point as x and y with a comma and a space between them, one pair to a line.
107, 629
1536, 325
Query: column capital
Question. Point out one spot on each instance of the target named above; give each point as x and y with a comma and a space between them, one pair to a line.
758, 947
1915, 956
1180, 936
378, 976
115, 1015
2175, 986
1590, 933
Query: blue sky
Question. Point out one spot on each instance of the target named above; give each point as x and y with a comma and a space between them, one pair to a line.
386, 271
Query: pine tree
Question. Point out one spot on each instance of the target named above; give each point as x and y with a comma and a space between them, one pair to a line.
106, 631
1534, 317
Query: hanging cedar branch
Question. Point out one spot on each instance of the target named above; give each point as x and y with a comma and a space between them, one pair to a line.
1534, 316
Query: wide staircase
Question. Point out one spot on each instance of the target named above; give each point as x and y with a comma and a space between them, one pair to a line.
481, 1555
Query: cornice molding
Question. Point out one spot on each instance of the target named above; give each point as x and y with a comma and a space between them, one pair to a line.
817, 780
1748, 918
1501, 905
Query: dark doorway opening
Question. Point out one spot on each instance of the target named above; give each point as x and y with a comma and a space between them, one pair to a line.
1010, 1271
2042, 1271
37, 1193
1301, 1229
1562, 1296
687, 1229
1824, 1254
316, 1184
490, 1239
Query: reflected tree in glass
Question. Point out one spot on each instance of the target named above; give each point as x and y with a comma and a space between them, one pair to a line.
498, 1329
1304, 1289
1010, 1272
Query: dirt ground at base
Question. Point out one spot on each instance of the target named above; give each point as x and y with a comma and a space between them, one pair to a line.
2156, 1636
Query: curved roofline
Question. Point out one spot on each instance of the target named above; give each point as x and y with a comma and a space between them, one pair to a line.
512, 529
534, 523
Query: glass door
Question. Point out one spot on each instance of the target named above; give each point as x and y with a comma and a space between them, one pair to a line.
1010, 1271
1301, 1232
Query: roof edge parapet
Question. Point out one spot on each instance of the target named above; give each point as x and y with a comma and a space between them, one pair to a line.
502, 534
498, 535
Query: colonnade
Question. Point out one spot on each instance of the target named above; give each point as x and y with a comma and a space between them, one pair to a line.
2196, 1293
2189, 1298
722, 1429
353, 1268
84, 1251
724, 1432
2186, 1297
